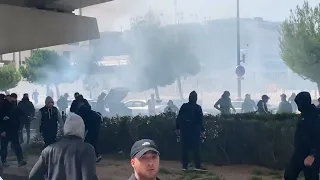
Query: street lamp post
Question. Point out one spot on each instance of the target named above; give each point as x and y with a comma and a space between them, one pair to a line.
238, 49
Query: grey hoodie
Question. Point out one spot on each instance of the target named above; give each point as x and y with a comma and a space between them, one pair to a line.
68, 159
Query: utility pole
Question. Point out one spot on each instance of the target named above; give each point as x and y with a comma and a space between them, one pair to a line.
238, 48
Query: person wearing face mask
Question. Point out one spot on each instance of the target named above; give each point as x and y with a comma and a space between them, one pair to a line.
145, 160
9, 129
68, 159
28, 114
306, 141
49, 118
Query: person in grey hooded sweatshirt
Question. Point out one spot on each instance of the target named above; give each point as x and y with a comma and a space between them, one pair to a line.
68, 159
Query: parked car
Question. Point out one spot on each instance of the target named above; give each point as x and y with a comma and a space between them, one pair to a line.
140, 107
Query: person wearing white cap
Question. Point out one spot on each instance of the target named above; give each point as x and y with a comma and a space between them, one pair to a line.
69, 158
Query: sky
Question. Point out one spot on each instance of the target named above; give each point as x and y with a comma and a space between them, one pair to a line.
115, 15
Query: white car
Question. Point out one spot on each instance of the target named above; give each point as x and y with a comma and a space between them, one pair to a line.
140, 107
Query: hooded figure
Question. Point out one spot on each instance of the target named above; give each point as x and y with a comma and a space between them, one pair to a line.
70, 158
92, 121
189, 125
306, 141
49, 118
171, 108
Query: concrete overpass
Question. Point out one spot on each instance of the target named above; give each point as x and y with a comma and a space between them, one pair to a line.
30, 24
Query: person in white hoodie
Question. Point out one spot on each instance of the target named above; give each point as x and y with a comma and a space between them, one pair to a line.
68, 159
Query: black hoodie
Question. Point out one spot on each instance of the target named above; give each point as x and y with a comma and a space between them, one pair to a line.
307, 135
190, 117
12, 123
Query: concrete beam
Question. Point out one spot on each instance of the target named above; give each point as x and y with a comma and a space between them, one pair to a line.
24, 28
60, 5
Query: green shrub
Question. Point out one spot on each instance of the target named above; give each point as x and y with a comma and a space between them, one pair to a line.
265, 140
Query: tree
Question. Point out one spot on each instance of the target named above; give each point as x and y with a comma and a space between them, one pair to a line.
160, 56
300, 42
47, 67
9, 77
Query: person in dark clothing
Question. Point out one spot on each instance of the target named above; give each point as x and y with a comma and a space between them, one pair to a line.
2, 98
63, 103
48, 118
100, 106
171, 108
28, 114
9, 129
248, 105
284, 106
92, 121
189, 125
262, 105
318, 106
224, 104
78, 102
306, 141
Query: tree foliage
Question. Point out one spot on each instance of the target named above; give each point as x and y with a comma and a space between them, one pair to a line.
9, 77
48, 67
300, 42
160, 54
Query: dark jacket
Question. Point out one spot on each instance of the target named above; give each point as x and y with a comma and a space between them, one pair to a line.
77, 103
133, 177
262, 107
92, 121
190, 119
307, 135
100, 105
48, 120
27, 107
68, 159
11, 125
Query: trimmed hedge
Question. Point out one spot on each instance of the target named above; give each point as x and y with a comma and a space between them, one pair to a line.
265, 140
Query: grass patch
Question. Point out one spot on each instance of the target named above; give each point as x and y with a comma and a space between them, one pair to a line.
164, 171
276, 174
258, 172
199, 176
256, 178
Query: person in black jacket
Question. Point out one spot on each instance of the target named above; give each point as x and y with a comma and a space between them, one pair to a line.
49, 118
189, 125
92, 121
306, 141
78, 102
28, 114
262, 105
9, 129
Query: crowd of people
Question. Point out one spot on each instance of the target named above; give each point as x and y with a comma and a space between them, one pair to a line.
14, 117
224, 104
75, 155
